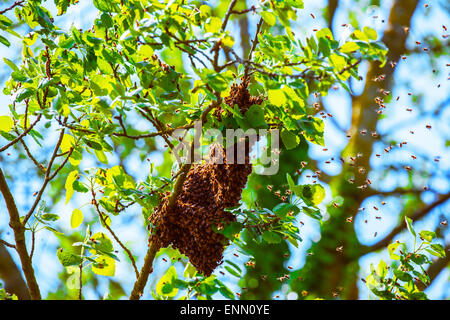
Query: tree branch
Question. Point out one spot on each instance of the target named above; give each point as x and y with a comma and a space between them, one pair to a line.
12, 275
19, 236
415, 216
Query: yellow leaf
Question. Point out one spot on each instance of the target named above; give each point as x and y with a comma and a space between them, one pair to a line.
69, 184
106, 266
277, 97
76, 219
67, 142
214, 25
6, 123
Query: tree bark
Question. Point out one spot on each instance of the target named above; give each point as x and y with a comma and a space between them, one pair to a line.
12, 276
19, 236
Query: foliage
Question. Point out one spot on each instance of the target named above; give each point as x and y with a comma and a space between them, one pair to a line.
90, 87
399, 282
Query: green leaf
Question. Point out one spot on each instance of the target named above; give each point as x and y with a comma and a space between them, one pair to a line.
324, 47
312, 193
68, 258
164, 286
391, 248
290, 181
49, 217
382, 269
290, 139
234, 265
233, 272
403, 276
268, 18
18, 76
76, 219
189, 271
226, 292
5, 41
102, 243
427, 235
370, 33
349, 47
106, 5
271, 237
409, 225
255, 117
437, 250
282, 209
11, 64
230, 230
312, 212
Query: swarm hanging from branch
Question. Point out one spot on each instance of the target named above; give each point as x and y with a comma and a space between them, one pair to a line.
208, 190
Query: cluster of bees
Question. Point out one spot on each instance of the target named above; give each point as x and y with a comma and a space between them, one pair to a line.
208, 190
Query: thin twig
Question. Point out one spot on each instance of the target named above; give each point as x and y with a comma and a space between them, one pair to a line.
7, 244
100, 215
21, 135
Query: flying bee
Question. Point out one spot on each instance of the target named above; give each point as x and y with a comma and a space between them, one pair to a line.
375, 208
340, 249
444, 223
414, 157
428, 127
383, 203
349, 219
409, 109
